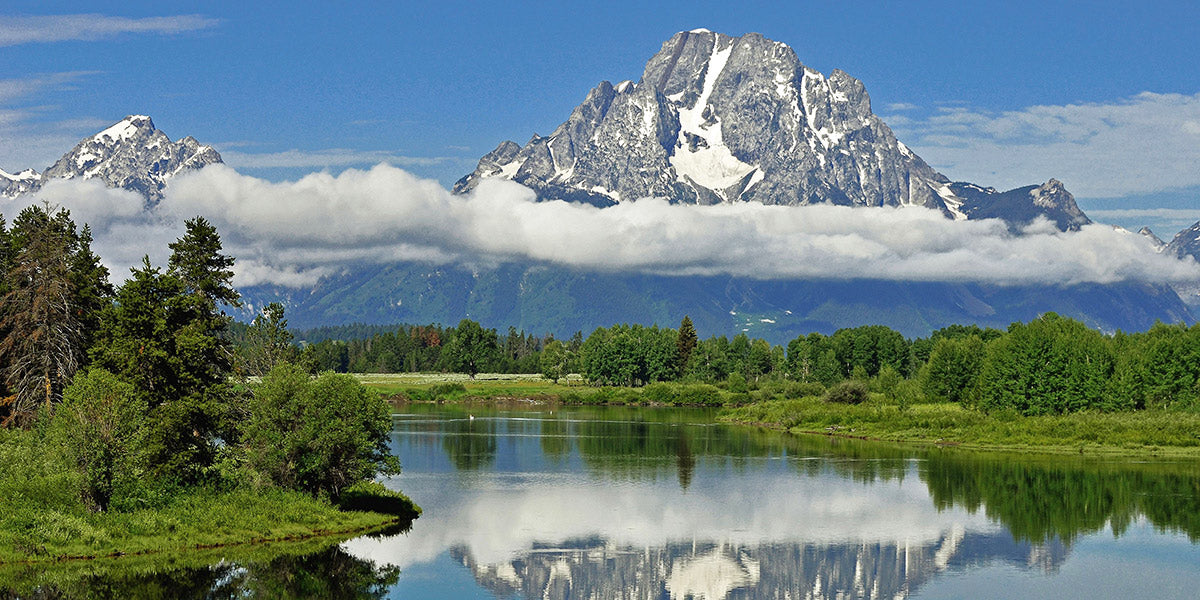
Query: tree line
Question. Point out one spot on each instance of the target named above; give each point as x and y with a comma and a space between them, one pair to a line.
1050, 365
122, 392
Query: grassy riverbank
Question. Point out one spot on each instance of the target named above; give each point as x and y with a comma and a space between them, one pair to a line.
196, 519
1149, 432
495, 388
783, 405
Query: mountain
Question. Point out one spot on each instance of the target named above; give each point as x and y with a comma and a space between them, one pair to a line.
132, 154
716, 118
1187, 243
1154, 239
713, 119
548, 299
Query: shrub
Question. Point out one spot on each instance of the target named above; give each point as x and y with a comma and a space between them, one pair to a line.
317, 435
101, 428
736, 383
373, 496
699, 395
661, 393
800, 389
443, 391
847, 392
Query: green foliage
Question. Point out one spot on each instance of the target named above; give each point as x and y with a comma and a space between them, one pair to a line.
1159, 368
953, 368
372, 496
316, 435
197, 261
848, 392
906, 393
671, 394
685, 345
812, 358
870, 347
101, 428
471, 348
268, 343
42, 339
629, 355
327, 355
802, 389
1050, 366
555, 359
190, 519
736, 383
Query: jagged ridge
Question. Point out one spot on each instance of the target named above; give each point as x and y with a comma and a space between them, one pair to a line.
717, 119
131, 154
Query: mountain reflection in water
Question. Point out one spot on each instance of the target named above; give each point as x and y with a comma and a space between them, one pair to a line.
667, 504
636, 503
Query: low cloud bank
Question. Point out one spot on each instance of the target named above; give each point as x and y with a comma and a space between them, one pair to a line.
294, 233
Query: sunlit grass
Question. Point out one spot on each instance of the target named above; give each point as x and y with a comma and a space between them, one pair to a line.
1142, 432
195, 519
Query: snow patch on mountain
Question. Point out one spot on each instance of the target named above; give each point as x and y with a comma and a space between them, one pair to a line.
131, 154
701, 155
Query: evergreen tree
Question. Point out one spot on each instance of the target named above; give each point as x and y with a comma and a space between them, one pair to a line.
685, 344
42, 344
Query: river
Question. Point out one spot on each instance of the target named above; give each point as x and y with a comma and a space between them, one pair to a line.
650, 503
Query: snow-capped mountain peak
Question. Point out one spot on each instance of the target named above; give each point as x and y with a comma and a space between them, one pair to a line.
124, 129
131, 154
1159, 245
716, 118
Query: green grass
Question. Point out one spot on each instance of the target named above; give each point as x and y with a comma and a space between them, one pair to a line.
455, 387
784, 405
500, 388
1157, 432
196, 519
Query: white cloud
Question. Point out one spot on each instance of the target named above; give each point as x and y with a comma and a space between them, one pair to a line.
1147, 143
293, 233
15, 30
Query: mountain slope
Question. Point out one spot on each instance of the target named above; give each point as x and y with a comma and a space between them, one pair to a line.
131, 154
1187, 243
714, 119
720, 119
542, 299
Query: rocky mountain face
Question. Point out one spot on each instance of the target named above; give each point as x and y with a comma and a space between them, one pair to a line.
1186, 243
132, 154
1154, 239
720, 119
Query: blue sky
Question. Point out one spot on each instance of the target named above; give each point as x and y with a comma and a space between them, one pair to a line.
1104, 96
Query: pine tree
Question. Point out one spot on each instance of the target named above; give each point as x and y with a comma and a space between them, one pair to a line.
42, 343
685, 344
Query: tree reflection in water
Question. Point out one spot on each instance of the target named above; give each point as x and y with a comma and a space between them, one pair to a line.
328, 573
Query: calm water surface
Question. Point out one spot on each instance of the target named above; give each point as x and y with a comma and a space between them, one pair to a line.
641, 503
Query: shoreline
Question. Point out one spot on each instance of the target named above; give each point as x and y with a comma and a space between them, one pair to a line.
198, 523
947, 425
